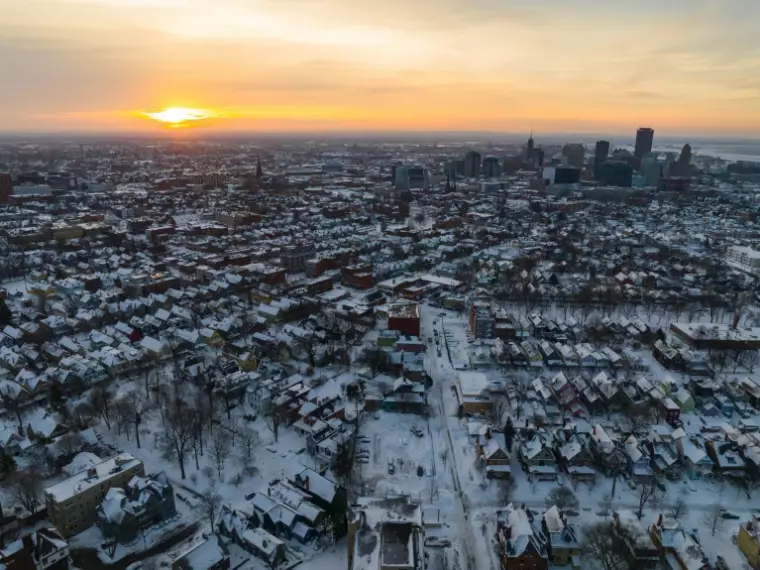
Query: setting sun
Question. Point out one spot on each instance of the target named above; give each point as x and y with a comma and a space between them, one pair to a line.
180, 116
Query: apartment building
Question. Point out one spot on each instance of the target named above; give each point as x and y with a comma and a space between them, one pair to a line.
72, 504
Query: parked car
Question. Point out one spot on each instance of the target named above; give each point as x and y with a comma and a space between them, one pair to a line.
417, 431
435, 542
391, 468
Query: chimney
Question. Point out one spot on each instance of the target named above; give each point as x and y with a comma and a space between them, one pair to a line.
306, 484
659, 520
737, 316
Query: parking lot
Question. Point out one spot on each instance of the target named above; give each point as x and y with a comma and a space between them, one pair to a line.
390, 454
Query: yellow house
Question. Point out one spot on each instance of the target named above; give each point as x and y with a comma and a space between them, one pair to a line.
248, 362
216, 340
748, 543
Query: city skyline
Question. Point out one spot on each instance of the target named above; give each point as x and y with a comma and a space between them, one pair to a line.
685, 68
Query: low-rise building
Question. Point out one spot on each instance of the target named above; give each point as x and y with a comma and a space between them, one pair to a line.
748, 542
207, 555
386, 533
72, 504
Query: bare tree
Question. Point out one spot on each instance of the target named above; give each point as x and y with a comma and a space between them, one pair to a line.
210, 502
101, 401
638, 417
444, 457
249, 441
648, 496
70, 443
309, 347
201, 416
679, 508
599, 545
272, 419
137, 403
563, 498
179, 426
220, 450
28, 488
714, 518
376, 358
122, 416
499, 409
80, 415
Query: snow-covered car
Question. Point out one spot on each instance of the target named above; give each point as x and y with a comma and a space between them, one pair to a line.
391, 468
417, 431
435, 542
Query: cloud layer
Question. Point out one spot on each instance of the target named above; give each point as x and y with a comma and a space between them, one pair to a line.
682, 66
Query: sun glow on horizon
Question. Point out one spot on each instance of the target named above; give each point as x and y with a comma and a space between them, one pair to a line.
177, 117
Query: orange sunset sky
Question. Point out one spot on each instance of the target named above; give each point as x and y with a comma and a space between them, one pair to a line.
680, 66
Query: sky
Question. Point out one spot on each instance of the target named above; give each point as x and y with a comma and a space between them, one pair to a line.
679, 66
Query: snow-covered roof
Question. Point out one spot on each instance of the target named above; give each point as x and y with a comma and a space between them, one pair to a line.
81, 462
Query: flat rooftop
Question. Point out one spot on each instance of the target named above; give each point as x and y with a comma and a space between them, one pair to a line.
713, 331
404, 310
103, 471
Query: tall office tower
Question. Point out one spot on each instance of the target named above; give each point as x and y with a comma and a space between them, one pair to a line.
644, 140
684, 160
601, 152
529, 149
575, 154
491, 167
472, 164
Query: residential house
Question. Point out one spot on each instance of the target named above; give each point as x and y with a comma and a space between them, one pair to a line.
519, 545
326, 494
283, 510
209, 554
639, 465
726, 458
264, 546
635, 542
679, 549
664, 459
563, 390
537, 457
144, 501
473, 394
495, 456
561, 540
609, 457
575, 457
748, 542
694, 458
43, 549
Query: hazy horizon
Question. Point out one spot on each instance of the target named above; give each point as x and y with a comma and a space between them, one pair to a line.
683, 67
